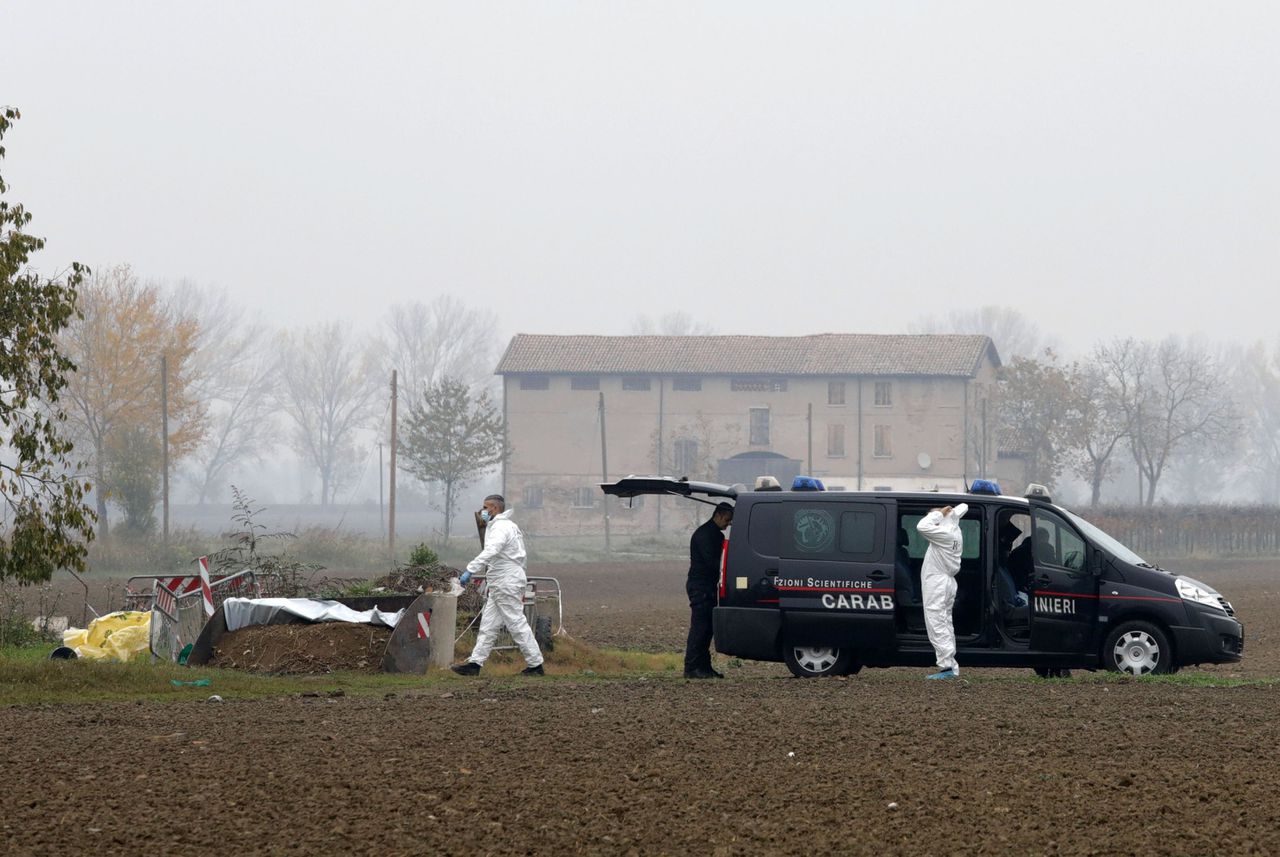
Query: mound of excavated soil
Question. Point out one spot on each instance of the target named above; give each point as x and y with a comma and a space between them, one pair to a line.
322, 647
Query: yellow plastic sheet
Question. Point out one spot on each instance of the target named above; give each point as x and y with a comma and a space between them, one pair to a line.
116, 636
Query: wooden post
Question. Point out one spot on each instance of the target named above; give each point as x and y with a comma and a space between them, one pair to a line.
809, 420
391, 493
164, 442
604, 477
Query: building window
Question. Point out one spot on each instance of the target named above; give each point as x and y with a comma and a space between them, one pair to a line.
759, 426
687, 385
835, 392
884, 442
758, 385
835, 440
583, 498
685, 456
884, 394
584, 382
535, 382
636, 384
531, 497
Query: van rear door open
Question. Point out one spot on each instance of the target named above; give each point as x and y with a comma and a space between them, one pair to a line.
835, 576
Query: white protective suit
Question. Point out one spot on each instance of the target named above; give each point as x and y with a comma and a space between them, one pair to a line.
504, 556
938, 580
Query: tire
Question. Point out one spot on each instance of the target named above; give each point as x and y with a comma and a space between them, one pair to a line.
818, 661
1138, 648
542, 633
1053, 672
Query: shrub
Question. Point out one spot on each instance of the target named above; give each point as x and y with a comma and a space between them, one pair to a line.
422, 555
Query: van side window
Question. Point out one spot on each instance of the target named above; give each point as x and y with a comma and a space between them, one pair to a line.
834, 531
970, 531
1056, 543
762, 528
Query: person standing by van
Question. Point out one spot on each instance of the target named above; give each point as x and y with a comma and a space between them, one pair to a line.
705, 548
941, 528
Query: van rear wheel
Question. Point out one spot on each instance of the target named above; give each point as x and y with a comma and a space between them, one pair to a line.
1138, 648
818, 661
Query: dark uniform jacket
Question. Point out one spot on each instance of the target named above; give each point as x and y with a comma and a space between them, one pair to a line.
705, 547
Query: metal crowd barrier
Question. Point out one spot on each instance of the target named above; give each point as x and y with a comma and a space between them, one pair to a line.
539, 595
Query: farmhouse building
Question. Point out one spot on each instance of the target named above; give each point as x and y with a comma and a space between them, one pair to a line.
861, 412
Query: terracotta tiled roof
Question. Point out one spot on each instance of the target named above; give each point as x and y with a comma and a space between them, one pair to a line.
821, 354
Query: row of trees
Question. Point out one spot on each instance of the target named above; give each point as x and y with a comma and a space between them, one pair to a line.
1154, 404
235, 391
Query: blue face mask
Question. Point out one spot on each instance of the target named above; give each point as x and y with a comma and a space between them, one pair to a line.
485, 516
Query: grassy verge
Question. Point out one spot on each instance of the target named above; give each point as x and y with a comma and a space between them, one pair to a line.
28, 677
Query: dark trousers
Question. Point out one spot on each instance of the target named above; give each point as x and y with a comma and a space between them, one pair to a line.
697, 651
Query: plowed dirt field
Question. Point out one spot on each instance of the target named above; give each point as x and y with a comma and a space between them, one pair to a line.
883, 763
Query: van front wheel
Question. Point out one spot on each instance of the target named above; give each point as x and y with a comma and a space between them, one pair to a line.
1138, 648
817, 661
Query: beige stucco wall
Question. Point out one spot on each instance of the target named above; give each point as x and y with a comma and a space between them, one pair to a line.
555, 437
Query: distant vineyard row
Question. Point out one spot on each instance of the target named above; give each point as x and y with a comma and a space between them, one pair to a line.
1185, 530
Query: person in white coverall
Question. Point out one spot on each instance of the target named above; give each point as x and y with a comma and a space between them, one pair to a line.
941, 528
504, 556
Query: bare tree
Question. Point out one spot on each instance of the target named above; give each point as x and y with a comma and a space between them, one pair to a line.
329, 384
1174, 398
1013, 333
441, 339
1259, 384
677, 323
236, 376
1096, 426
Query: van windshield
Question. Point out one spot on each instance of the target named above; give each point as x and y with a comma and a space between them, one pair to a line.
1104, 541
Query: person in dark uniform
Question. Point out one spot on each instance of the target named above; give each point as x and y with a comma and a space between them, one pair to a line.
704, 578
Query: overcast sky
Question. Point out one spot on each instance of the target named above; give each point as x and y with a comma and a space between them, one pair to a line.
780, 168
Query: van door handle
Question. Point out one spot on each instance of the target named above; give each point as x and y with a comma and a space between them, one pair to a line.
771, 572
878, 575
1043, 580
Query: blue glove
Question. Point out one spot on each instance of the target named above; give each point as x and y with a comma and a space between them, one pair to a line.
464, 577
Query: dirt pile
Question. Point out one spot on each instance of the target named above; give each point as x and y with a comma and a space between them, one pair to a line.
323, 647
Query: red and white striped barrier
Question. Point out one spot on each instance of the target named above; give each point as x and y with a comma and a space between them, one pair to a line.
205, 589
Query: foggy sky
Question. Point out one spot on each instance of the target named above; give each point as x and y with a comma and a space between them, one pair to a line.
1107, 169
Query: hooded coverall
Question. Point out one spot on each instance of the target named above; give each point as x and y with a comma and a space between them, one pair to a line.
938, 580
504, 555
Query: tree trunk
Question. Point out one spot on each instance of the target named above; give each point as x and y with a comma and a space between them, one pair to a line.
1095, 485
324, 488
100, 496
448, 509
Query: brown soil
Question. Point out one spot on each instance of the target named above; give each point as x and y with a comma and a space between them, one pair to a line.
302, 648
884, 763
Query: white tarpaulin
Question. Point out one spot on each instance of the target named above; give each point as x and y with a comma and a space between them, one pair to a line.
240, 612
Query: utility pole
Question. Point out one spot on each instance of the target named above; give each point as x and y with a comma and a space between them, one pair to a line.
809, 420
391, 494
164, 441
382, 515
604, 477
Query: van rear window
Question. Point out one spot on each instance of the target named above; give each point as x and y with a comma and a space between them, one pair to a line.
762, 528
838, 531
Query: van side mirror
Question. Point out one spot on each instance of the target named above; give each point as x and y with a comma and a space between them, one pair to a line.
1096, 563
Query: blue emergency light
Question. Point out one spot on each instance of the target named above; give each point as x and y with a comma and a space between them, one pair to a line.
985, 486
807, 483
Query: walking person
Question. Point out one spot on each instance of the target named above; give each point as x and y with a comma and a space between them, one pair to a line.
505, 558
705, 547
941, 528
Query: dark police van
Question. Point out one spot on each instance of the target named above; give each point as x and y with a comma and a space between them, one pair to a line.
829, 582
